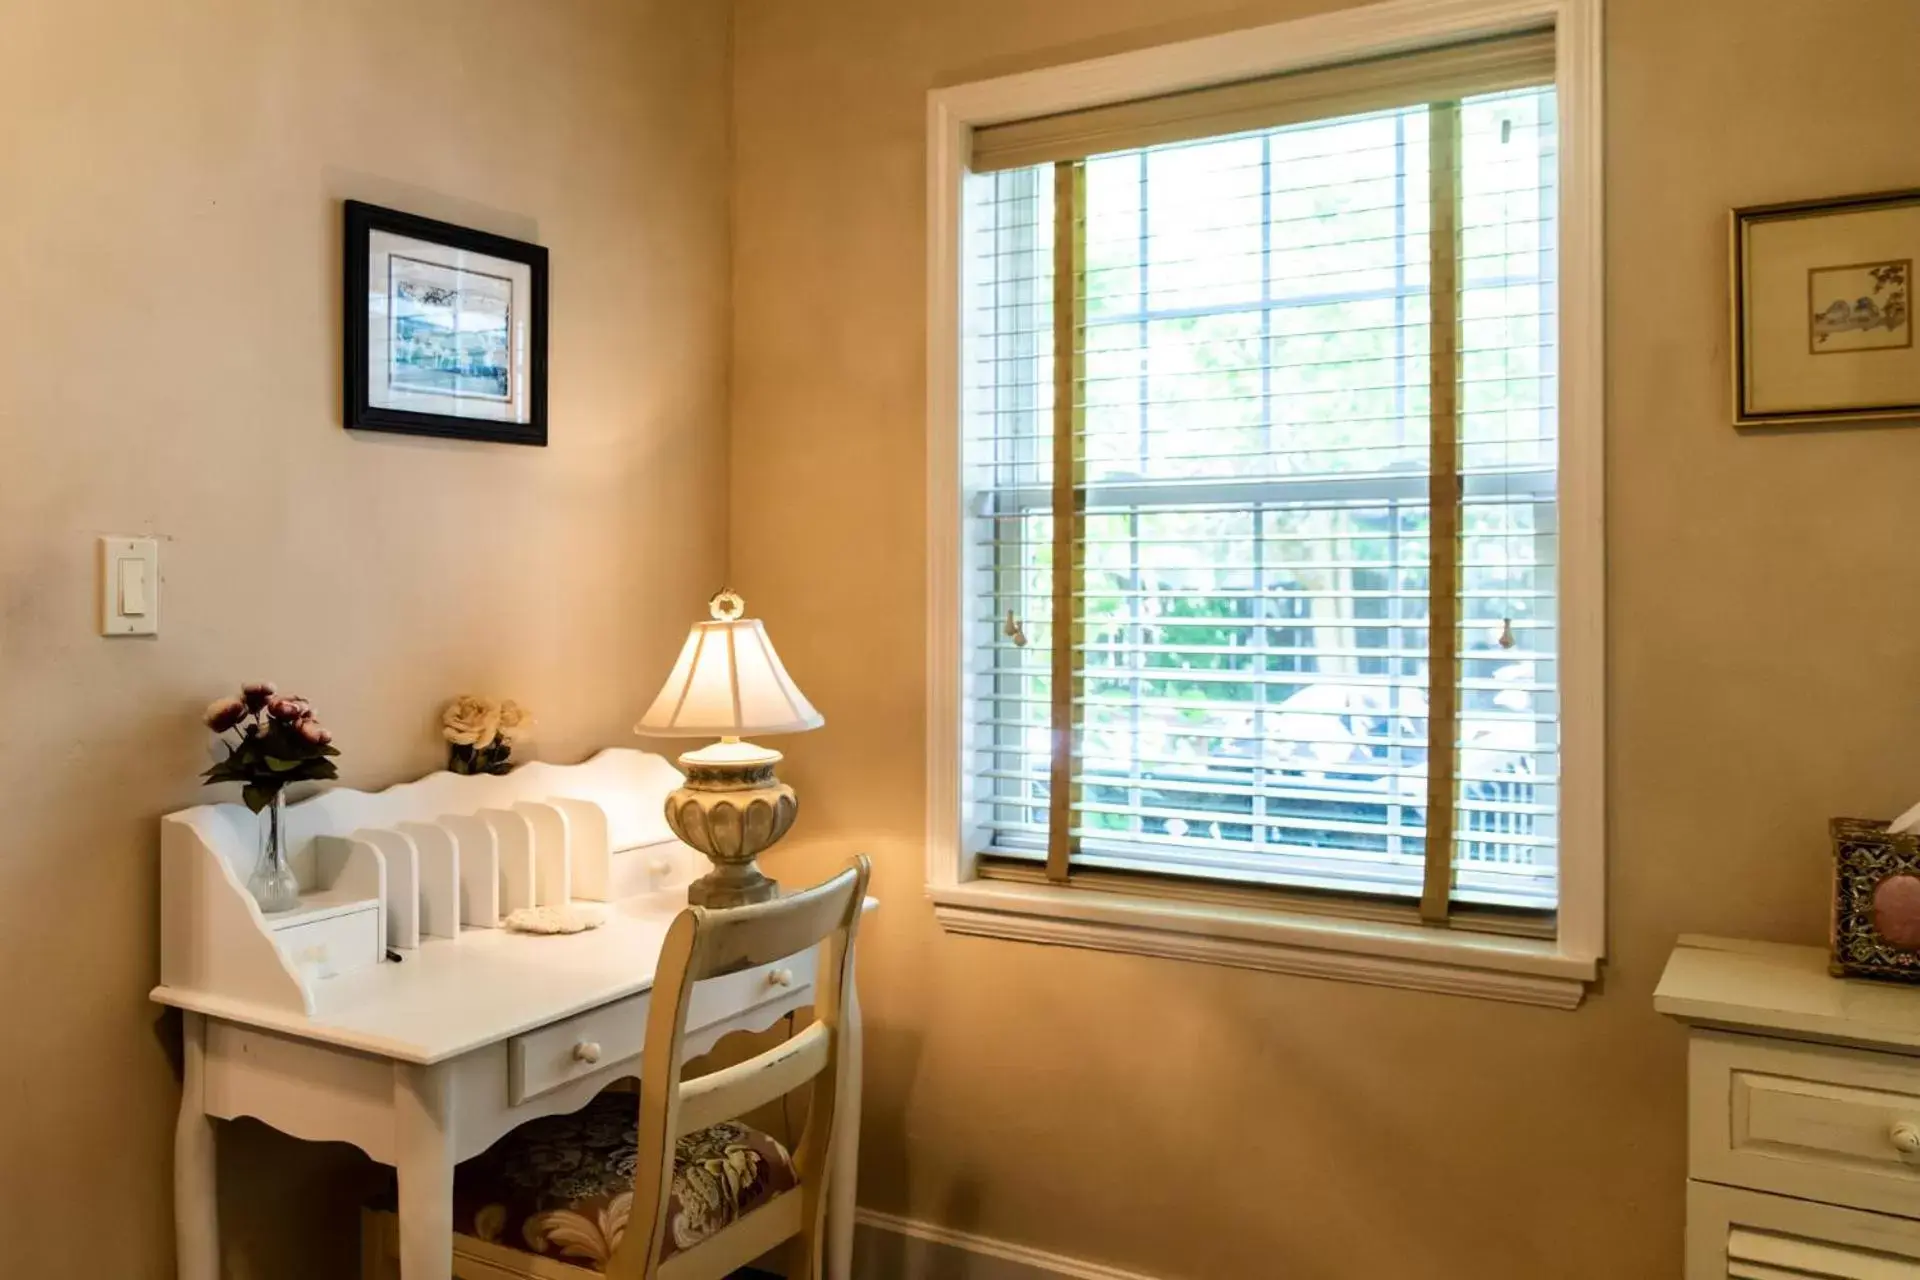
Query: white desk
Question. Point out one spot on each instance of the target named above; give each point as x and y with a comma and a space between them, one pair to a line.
427, 1062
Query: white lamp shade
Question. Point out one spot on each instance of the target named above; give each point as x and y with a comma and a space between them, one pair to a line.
728, 683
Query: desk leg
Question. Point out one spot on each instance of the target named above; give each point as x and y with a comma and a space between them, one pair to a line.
423, 1161
196, 1213
844, 1179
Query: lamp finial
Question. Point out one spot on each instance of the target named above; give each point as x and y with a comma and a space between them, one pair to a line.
726, 605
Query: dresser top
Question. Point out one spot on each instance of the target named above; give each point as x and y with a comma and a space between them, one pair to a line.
1774, 989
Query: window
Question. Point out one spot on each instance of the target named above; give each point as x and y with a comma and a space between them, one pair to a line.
1299, 626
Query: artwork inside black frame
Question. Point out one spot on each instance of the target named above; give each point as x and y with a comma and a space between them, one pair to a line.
445, 329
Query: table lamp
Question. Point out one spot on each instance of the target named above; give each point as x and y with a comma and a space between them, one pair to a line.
728, 683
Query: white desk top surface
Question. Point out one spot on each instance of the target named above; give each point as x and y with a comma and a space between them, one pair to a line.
453, 995
1776, 989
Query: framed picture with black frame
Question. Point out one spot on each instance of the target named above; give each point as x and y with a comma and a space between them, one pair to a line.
1823, 311
445, 329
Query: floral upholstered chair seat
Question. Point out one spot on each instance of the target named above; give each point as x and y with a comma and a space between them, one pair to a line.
562, 1186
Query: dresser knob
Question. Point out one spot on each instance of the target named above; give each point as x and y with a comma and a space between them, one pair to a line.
780, 978
1905, 1137
586, 1051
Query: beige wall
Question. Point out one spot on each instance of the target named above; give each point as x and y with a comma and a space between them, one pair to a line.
168, 364
169, 265
1765, 664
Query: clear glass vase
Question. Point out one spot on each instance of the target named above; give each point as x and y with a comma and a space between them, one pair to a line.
272, 883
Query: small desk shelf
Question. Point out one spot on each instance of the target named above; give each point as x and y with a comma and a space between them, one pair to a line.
437, 858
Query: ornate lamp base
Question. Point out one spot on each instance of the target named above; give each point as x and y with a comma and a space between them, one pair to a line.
731, 809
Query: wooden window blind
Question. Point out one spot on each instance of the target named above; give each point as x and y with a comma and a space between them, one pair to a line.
1260, 442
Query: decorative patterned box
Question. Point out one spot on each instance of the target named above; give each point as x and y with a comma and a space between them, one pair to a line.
1876, 901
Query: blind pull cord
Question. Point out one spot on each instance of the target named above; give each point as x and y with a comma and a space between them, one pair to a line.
1506, 640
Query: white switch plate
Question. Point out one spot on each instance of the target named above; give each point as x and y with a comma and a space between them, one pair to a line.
129, 587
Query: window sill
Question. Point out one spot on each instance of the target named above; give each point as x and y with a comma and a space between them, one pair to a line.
1490, 967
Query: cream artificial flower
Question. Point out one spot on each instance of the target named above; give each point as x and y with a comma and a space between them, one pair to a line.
514, 721
471, 721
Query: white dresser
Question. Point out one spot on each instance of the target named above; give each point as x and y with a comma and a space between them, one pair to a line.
1803, 1103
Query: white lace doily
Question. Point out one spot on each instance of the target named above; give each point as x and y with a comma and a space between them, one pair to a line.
572, 918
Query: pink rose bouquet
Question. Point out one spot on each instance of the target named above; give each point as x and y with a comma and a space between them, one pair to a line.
275, 741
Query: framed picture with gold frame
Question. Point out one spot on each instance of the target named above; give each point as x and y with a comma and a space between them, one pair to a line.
1822, 310
1876, 902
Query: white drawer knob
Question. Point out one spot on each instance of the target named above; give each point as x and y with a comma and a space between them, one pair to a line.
780, 978
1905, 1137
586, 1051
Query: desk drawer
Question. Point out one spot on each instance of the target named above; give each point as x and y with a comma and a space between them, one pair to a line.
730, 995
1840, 1126
543, 1060
334, 944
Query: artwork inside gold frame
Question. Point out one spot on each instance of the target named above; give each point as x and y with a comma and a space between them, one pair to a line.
1876, 901
1822, 310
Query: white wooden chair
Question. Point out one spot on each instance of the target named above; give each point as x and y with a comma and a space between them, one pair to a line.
707, 1197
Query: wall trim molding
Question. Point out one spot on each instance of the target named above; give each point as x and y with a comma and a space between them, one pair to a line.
979, 1257
1395, 25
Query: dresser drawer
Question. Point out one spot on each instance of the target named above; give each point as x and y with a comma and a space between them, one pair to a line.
1840, 1126
558, 1054
1747, 1235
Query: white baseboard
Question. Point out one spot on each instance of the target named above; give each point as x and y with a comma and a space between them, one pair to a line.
886, 1247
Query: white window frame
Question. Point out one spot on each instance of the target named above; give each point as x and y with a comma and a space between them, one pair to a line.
1553, 972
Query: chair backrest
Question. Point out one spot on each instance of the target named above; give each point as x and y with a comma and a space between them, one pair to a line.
705, 943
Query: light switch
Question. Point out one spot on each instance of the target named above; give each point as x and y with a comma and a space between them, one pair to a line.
133, 589
129, 586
